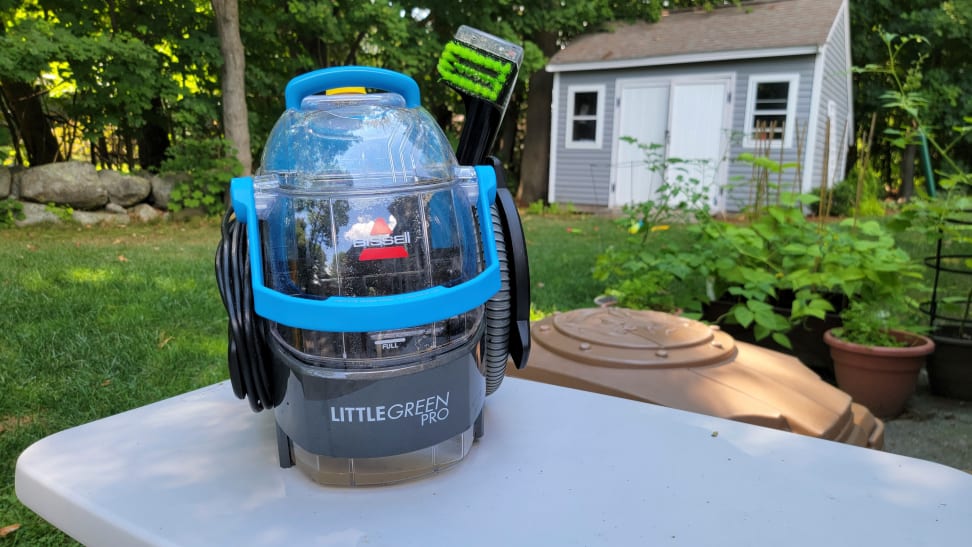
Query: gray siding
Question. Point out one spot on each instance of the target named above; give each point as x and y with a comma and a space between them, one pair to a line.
834, 86
583, 176
741, 192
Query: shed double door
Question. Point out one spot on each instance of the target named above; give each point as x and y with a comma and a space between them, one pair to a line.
686, 119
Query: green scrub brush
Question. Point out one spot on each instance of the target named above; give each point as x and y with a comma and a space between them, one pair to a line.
483, 69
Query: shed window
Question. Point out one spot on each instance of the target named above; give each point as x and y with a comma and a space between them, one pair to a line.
771, 109
585, 116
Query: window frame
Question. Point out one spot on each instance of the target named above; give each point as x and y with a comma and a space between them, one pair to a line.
597, 117
793, 80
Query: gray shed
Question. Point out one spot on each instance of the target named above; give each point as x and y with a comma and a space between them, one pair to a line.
771, 75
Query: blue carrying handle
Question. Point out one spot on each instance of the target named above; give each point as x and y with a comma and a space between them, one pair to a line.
351, 76
371, 313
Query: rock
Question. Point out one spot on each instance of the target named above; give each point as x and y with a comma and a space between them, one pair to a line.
15, 172
35, 213
70, 183
124, 190
144, 212
162, 186
115, 208
90, 218
6, 180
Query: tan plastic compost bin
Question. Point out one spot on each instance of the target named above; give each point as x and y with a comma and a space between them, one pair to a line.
680, 363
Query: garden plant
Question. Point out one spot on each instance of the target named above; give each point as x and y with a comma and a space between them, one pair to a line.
681, 257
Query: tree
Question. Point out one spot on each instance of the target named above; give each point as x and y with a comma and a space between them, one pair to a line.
26, 42
943, 74
124, 75
233, 84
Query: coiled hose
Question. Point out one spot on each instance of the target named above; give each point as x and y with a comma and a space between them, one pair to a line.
508, 311
248, 350
498, 309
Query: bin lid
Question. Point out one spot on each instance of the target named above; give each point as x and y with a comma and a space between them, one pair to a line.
618, 337
681, 363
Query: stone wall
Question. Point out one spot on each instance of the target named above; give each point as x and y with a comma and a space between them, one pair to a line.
96, 197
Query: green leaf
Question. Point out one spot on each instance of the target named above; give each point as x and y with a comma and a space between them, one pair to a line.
743, 315
794, 249
782, 340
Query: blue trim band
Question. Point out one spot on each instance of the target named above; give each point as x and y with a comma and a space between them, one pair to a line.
371, 313
351, 76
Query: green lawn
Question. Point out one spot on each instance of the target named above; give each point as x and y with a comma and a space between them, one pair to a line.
96, 321
562, 251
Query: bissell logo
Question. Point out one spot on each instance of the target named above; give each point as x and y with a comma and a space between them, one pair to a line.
382, 245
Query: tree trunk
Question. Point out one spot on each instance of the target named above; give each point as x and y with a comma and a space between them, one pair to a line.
153, 138
535, 162
506, 140
32, 123
235, 122
8, 118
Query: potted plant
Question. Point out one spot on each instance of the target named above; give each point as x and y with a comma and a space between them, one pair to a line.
878, 354
778, 273
943, 214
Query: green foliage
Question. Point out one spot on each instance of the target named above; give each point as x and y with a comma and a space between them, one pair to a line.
844, 194
869, 323
107, 72
933, 216
63, 212
99, 68
766, 182
539, 208
210, 164
944, 76
11, 211
536, 208
656, 268
679, 257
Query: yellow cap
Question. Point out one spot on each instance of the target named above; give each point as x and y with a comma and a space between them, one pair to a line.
341, 90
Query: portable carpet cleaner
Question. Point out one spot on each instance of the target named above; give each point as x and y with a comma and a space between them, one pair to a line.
375, 287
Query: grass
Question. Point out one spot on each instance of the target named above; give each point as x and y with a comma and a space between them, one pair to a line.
96, 321
562, 250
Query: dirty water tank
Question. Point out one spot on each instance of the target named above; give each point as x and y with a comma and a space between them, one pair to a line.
680, 363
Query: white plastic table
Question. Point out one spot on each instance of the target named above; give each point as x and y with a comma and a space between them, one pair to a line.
555, 467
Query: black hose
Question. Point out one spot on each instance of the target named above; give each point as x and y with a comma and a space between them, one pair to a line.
248, 350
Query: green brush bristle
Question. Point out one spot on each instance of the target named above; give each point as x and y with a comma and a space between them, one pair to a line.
469, 70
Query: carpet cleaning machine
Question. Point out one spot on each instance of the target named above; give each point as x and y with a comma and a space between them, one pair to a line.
376, 286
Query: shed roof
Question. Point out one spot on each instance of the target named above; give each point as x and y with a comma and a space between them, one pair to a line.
755, 29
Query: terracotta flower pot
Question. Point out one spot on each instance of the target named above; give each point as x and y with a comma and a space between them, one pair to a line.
880, 378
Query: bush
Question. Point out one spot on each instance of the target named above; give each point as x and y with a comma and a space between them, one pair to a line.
686, 266
210, 164
10, 210
844, 195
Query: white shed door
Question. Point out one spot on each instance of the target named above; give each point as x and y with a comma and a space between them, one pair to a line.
698, 132
688, 117
643, 117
